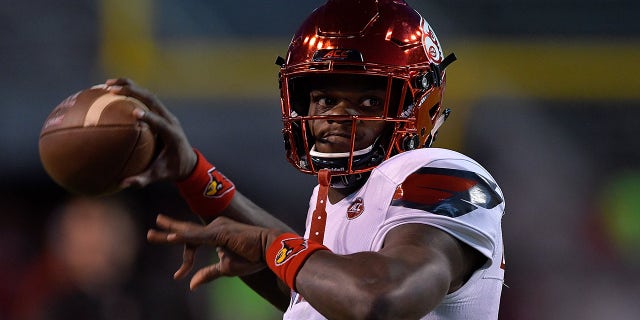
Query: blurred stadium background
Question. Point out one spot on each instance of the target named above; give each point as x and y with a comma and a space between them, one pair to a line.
544, 94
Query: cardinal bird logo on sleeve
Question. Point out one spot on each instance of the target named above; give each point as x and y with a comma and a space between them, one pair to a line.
218, 184
290, 248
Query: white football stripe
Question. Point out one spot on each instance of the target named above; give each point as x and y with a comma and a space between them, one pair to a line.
95, 110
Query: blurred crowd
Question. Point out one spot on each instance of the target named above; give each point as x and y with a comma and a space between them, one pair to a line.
87, 259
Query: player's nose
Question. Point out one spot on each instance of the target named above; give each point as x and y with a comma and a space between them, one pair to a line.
344, 110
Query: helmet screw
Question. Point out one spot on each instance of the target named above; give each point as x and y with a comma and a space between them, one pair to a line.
424, 81
410, 142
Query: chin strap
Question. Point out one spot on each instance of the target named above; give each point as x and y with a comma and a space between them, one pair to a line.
434, 131
319, 218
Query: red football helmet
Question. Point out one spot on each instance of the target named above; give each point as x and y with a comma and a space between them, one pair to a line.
368, 38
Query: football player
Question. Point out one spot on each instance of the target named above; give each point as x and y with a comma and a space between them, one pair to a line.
395, 229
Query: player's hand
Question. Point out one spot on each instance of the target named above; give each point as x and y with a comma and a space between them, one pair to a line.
176, 158
240, 247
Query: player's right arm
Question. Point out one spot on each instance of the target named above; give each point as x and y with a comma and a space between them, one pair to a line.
178, 161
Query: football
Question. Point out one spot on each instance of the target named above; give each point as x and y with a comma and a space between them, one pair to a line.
91, 141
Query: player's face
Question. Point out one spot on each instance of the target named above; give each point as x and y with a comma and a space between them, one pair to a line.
346, 98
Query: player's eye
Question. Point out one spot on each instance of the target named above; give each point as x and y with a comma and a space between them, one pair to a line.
326, 101
372, 102
323, 102
372, 106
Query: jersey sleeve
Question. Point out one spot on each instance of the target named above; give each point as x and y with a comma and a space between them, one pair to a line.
454, 195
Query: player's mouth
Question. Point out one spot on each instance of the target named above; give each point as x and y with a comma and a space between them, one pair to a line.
336, 137
334, 141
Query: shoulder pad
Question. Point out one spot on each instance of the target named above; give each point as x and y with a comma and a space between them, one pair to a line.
447, 192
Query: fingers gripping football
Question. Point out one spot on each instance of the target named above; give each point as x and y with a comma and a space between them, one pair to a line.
176, 158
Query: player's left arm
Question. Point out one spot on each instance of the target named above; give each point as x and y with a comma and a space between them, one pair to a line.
240, 249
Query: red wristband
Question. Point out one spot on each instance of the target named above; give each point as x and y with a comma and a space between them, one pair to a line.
207, 191
286, 255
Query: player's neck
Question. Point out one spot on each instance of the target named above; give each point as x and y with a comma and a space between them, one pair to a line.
342, 186
337, 194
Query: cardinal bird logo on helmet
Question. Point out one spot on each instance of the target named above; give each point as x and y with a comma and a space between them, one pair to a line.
430, 42
290, 248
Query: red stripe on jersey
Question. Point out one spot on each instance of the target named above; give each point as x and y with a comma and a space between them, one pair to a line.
447, 192
429, 188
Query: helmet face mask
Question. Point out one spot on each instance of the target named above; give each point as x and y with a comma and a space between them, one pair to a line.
391, 46
358, 158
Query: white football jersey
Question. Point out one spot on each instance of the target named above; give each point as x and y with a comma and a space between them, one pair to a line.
432, 186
